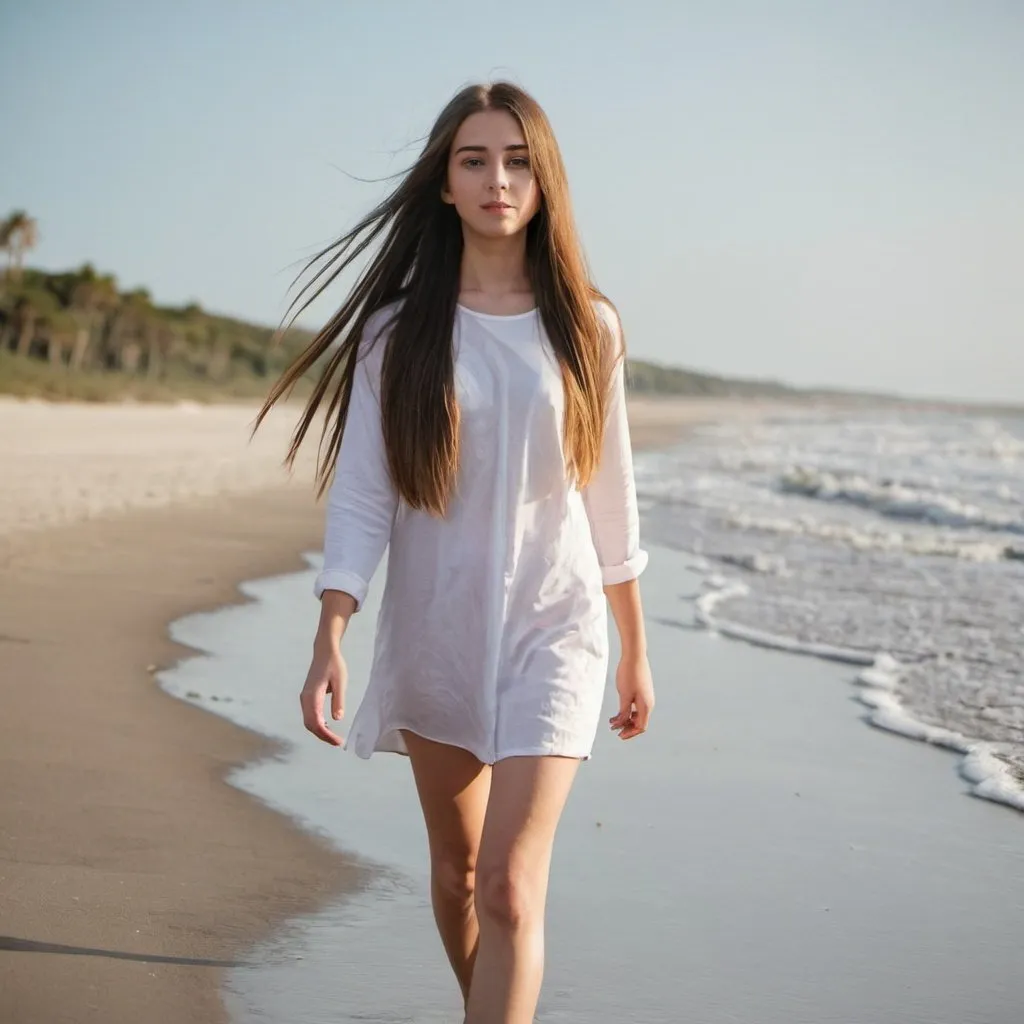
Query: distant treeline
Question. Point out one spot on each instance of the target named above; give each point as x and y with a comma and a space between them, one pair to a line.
77, 335
655, 379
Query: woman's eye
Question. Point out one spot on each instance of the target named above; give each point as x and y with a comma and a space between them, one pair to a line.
520, 161
473, 161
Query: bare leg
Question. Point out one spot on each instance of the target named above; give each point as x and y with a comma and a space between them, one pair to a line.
453, 787
526, 802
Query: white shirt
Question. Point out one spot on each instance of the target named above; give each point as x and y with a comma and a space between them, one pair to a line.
492, 633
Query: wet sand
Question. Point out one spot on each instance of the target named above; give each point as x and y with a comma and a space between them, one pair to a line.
118, 833
120, 842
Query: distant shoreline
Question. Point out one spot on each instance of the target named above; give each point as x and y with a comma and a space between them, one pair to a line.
35, 380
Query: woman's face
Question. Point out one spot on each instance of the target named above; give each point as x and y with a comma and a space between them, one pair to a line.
490, 180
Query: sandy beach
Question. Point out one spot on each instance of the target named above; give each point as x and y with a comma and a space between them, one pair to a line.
130, 872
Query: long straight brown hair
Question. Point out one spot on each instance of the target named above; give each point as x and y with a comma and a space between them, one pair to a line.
417, 267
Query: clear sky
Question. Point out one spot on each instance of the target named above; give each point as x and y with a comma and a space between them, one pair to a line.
822, 192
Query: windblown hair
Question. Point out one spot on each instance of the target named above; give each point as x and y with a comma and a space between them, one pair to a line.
417, 267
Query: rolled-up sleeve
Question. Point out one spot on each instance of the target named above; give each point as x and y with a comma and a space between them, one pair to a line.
610, 496
362, 500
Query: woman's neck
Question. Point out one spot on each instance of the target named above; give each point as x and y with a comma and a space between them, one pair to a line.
494, 269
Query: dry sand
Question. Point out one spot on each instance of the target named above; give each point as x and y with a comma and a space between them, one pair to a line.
119, 840
65, 463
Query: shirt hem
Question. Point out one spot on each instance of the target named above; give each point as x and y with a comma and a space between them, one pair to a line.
378, 747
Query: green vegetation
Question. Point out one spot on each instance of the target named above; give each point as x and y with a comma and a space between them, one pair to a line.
75, 335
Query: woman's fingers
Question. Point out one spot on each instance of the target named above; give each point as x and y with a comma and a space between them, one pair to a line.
630, 728
619, 721
642, 716
312, 700
636, 697
625, 710
337, 700
632, 719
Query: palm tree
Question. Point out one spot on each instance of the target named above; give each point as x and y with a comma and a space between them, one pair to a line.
18, 233
128, 330
161, 338
58, 331
93, 297
30, 308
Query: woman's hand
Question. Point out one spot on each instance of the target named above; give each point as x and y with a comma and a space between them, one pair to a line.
636, 697
328, 674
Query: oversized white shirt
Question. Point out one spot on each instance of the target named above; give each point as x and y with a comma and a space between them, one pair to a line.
493, 630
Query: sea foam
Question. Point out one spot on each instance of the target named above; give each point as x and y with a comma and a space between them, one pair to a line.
886, 540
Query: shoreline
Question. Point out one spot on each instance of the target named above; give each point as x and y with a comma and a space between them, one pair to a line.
988, 775
123, 841
122, 837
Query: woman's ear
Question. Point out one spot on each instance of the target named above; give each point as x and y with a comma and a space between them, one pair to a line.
446, 196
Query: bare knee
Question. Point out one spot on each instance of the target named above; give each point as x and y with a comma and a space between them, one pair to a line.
508, 896
455, 876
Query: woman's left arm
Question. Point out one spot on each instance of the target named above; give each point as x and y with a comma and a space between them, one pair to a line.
633, 680
610, 500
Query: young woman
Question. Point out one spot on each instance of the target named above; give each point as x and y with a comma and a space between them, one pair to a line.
476, 427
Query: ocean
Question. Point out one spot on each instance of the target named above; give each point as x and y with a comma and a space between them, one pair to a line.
889, 539
759, 856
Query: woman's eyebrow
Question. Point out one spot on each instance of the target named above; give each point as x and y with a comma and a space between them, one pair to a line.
483, 149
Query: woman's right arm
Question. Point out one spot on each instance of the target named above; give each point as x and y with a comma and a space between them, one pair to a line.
362, 500
361, 507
